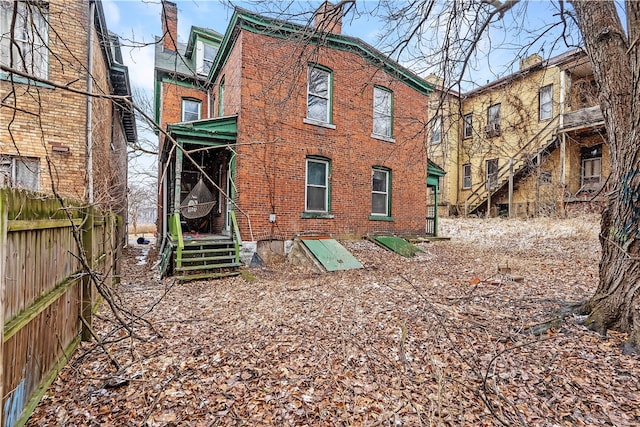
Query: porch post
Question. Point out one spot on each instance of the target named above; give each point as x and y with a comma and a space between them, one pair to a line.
178, 181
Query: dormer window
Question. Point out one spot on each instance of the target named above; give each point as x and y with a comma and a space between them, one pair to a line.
205, 54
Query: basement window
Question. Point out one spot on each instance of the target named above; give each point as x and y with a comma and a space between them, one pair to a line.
20, 172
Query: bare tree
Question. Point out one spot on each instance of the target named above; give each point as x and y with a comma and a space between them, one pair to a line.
450, 41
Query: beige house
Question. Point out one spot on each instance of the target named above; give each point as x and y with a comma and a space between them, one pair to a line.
529, 144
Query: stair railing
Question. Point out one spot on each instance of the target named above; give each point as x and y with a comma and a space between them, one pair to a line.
236, 235
481, 190
176, 232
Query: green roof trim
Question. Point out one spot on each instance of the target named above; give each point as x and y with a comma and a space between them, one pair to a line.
217, 131
434, 169
246, 20
208, 36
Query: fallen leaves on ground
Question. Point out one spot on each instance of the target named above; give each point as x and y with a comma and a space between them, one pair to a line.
437, 339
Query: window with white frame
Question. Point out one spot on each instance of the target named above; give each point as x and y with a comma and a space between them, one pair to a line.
493, 121
492, 173
382, 112
190, 110
319, 95
205, 53
221, 97
436, 130
25, 48
466, 176
317, 185
493, 115
20, 172
546, 102
468, 126
381, 185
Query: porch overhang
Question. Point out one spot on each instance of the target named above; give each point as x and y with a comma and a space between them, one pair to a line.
216, 131
434, 172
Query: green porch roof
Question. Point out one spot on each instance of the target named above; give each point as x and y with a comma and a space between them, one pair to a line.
220, 130
434, 169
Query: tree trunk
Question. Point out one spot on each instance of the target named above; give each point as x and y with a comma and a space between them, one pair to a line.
616, 66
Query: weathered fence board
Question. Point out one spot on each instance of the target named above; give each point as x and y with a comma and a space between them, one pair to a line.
43, 290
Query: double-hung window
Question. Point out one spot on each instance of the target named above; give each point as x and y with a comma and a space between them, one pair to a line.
382, 112
380, 191
436, 130
466, 176
546, 102
468, 126
20, 172
25, 48
205, 54
221, 97
319, 95
317, 185
190, 110
492, 174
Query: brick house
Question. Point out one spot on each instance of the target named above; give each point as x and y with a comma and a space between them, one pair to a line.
531, 143
309, 132
58, 140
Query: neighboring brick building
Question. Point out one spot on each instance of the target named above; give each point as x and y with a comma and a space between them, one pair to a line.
314, 133
544, 120
58, 140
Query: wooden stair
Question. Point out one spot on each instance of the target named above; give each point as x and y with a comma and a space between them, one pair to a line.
206, 258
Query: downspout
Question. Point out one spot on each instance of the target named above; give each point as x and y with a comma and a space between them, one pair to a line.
89, 195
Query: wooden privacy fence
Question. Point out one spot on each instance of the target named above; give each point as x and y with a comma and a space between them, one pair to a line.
44, 290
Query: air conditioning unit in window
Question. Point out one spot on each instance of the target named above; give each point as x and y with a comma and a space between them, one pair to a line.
492, 129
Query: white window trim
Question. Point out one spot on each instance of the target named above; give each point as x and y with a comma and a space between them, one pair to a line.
385, 193
492, 183
327, 118
464, 176
200, 59
36, 43
436, 130
384, 115
467, 126
549, 102
184, 101
325, 186
12, 176
497, 117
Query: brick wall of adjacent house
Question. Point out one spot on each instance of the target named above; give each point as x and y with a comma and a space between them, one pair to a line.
46, 118
274, 142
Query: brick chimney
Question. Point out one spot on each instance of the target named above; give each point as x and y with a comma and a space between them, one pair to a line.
328, 18
169, 25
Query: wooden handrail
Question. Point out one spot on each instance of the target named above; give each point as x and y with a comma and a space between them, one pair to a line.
236, 234
176, 233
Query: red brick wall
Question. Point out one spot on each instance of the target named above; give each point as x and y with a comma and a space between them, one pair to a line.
274, 141
171, 108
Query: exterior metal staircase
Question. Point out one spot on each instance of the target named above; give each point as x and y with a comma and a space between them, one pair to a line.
196, 258
529, 156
